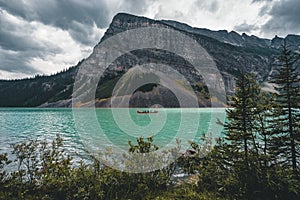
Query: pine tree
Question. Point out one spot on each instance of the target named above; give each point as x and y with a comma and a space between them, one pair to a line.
286, 113
263, 126
241, 133
239, 129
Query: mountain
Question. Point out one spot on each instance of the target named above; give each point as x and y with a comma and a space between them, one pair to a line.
236, 39
223, 35
231, 52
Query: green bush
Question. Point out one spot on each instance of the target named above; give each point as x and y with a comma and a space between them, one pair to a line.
45, 171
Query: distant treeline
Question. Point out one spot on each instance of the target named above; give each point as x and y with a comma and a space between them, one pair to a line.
32, 92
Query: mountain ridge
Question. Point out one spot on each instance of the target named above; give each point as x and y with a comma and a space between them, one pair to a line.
230, 50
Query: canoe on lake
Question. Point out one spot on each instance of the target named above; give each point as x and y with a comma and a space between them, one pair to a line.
147, 111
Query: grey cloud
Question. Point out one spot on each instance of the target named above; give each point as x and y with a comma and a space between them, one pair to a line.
12, 39
16, 62
264, 10
175, 14
212, 6
245, 28
258, 1
285, 16
75, 16
14, 7
16, 43
62, 14
83, 33
135, 6
78, 17
17, 48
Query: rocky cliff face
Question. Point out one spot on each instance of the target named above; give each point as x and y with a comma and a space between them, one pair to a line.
231, 52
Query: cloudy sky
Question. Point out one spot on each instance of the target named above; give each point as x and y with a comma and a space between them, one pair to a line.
46, 36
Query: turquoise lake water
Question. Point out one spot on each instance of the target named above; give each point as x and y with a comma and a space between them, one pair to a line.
94, 128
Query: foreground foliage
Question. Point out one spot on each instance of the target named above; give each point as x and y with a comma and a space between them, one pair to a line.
46, 172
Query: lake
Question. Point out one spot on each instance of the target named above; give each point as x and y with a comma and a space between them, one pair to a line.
90, 129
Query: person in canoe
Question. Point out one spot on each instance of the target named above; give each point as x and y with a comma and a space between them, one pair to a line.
147, 111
